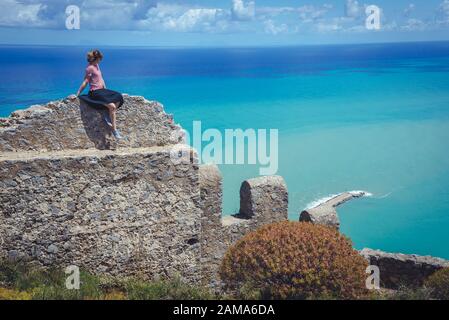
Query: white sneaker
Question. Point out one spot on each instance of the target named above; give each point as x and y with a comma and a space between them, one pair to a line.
117, 134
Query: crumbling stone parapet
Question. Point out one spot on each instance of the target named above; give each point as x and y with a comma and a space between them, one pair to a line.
218, 233
67, 124
398, 269
210, 181
264, 199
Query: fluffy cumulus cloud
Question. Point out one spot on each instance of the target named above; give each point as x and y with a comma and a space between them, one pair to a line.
236, 16
15, 13
271, 27
242, 11
95, 13
124, 15
292, 20
182, 19
310, 13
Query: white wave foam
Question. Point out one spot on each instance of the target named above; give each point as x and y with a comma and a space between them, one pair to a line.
355, 193
320, 201
385, 195
360, 193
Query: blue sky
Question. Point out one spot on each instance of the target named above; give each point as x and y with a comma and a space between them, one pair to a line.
221, 22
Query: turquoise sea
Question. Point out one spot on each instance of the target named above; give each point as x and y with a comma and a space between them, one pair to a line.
352, 117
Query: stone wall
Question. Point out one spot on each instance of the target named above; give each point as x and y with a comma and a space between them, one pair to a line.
126, 212
397, 269
210, 180
71, 195
65, 124
263, 200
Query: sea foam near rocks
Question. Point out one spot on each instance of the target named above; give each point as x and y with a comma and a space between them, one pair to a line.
355, 193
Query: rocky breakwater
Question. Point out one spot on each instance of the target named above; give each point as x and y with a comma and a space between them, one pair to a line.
396, 269
325, 211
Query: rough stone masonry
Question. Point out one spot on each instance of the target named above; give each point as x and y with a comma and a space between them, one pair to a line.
71, 195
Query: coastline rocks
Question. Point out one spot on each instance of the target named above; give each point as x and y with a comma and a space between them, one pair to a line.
397, 269
326, 213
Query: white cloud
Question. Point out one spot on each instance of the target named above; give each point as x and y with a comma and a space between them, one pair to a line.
444, 7
271, 28
414, 25
310, 13
443, 12
192, 19
104, 15
178, 18
15, 13
409, 10
235, 16
353, 9
274, 11
306, 12
243, 12
325, 27
97, 14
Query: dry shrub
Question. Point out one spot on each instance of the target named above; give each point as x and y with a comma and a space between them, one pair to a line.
438, 284
295, 260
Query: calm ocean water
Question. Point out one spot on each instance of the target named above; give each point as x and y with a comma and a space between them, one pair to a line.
355, 117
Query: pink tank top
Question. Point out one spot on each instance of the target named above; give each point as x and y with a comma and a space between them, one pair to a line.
93, 75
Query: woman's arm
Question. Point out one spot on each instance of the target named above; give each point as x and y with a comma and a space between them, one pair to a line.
82, 87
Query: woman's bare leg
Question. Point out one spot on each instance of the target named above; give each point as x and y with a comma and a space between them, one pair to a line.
112, 113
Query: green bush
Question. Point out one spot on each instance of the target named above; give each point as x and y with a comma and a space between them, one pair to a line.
48, 284
438, 284
410, 293
165, 290
295, 260
10, 294
19, 281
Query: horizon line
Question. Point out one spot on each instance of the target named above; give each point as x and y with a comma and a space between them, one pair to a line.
223, 46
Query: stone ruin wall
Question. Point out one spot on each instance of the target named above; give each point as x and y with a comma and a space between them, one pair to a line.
398, 269
263, 200
120, 213
69, 125
71, 195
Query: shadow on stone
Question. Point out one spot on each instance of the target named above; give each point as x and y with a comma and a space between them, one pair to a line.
96, 129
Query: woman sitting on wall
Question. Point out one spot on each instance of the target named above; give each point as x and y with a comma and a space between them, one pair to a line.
99, 97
